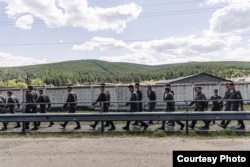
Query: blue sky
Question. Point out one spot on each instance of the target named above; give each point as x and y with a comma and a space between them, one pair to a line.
146, 32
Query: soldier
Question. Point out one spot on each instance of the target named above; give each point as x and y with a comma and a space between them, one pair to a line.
139, 93
2, 109
200, 105
31, 98
12, 105
170, 123
217, 102
152, 97
235, 101
104, 96
44, 100
72, 102
227, 104
134, 107
170, 107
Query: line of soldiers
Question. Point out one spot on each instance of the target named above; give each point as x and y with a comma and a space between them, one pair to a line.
233, 102
201, 104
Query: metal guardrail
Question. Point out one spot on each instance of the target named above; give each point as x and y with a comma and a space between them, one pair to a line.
124, 116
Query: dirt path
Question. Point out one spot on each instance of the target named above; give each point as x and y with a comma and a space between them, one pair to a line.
105, 152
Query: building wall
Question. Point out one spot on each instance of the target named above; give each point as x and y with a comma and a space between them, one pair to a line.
87, 94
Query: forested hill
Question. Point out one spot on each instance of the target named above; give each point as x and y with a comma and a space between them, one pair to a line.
91, 71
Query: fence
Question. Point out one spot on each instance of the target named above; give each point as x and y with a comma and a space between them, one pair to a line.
185, 115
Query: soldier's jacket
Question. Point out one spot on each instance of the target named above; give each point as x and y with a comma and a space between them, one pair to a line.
31, 97
139, 94
237, 100
2, 104
103, 97
12, 103
44, 99
151, 95
71, 101
170, 104
200, 105
226, 97
217, 103
133, 106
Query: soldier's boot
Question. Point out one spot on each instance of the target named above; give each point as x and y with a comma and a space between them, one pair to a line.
126, 127
112, 126
94, 125
242, 125
35, 126
18, 125
222, 122
78, 125
4, 126
162, 126
181, 124
51, 124
107, 124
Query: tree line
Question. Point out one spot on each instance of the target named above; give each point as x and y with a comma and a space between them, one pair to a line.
95, 71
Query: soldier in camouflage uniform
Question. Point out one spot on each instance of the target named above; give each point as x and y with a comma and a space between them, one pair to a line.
139, 93
200, 105
104, 96
31, 99
133, 107
72, 103
44, 100
235, 103
217, 102
2, 109
12, 104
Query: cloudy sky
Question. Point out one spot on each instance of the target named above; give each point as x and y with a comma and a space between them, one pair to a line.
146, 32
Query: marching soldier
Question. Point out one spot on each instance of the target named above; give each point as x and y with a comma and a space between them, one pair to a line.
134, 107
12, 105
235, 101
171, 123
170, 107
139, 93
104, 96
72, 103
43, 101
200, 105
31, 99
227, 103
217, 102
152, 97
2, 109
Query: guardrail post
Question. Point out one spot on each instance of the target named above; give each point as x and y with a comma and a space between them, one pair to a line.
23, 123
102, 122
186, 104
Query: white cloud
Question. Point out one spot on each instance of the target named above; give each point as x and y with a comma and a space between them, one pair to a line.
25, 22
8, 60
168, 50
102, 44
231, 19
75, 13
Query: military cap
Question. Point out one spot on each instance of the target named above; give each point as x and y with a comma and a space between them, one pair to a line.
231, 83
30, 87
102, 84
69, 87
9, 92
40, 90
167, 84
199, 87
130, 86
137, 84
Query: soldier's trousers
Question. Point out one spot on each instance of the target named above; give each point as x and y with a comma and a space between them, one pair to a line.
193, 123
72, 110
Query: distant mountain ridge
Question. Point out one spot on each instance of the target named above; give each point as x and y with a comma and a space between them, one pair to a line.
90, 71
